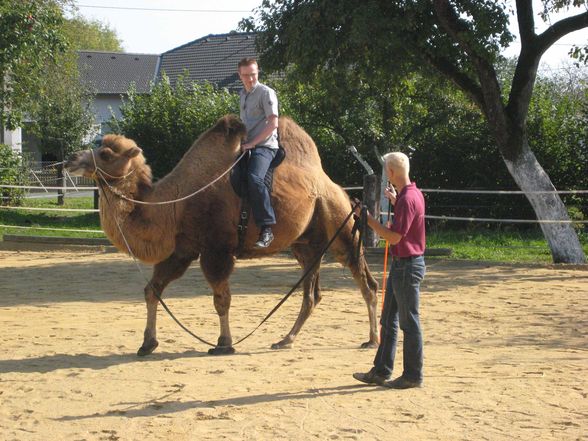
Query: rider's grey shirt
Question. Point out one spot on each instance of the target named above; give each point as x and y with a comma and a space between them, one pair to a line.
256, 106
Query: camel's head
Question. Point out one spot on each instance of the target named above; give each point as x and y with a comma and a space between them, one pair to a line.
115, 158
232, 128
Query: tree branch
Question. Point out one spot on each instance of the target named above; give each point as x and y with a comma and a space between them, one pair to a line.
463, 81
528, 62
526, 21
559, 29
491, 96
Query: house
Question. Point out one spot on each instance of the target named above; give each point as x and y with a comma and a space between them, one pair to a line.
110, 75
213, 58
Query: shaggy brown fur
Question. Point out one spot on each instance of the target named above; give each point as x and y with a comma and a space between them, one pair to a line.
308, 205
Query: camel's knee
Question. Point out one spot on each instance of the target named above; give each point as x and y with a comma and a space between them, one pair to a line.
317, 296
151, 294
364, 278
309, 302
317, 290
222, 303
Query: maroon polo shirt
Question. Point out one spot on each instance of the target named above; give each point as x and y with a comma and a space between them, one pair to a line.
409, 222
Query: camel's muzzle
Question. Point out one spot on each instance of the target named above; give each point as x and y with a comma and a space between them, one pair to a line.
76, 165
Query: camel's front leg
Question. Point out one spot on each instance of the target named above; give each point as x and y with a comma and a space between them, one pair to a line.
222, 304
217, 266
163, 273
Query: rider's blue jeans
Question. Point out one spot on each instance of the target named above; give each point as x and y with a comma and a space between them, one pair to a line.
259, 195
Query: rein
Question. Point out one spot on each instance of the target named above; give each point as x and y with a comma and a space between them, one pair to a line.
99, 173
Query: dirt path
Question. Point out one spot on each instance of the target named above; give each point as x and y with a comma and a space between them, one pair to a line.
506, 356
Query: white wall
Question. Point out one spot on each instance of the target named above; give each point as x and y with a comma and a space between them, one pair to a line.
13, 138
102, 104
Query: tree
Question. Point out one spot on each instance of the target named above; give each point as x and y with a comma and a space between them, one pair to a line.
62, 118
83, 34
459, 39
32, 36
167, 121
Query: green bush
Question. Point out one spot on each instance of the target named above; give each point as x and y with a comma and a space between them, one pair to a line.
12, 172
166, 122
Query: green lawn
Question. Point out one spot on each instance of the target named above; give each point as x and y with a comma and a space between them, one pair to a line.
63, 220
478, 244
497, 246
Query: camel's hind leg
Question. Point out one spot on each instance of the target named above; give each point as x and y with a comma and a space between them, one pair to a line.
305, 255
344, 249
163, 273
369, 290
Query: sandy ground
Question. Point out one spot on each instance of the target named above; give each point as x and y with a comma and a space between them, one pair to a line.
506, 356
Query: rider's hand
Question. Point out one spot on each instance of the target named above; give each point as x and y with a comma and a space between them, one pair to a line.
247, 146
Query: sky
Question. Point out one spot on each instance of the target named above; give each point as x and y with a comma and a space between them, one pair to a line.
156, 26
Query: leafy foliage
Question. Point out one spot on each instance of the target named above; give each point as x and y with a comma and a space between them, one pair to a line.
12, 172
32, 36
166, 122
62, 118
84, 34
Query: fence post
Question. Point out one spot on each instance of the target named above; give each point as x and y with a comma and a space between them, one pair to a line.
96, 199
371, 199
61, 181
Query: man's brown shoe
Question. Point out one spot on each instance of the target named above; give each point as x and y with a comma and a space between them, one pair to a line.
403, 383
371, 377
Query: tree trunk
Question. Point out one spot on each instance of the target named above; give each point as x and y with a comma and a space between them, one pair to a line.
530, 177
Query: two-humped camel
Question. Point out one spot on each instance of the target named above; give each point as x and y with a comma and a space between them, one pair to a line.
308, 205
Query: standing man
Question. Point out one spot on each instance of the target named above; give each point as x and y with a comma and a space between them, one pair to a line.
259, 113
401, 304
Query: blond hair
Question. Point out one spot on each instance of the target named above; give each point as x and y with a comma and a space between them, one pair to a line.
398, 162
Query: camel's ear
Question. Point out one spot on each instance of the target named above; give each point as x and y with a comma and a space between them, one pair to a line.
132, 152
230, 125
234, 126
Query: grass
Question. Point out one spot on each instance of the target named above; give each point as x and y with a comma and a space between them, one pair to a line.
499, 246
472, 244
52, 219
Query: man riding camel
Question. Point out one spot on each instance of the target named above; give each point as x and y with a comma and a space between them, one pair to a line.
259, 113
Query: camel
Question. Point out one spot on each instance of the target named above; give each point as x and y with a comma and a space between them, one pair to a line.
308, 205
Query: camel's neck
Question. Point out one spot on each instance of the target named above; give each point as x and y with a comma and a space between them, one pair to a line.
146, 231
150, 230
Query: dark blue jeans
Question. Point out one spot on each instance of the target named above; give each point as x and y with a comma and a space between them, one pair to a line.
259, 196
401, 306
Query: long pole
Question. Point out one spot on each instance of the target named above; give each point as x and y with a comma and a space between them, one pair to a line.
386, 257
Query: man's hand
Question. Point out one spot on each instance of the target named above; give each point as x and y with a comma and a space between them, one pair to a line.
390, 193
247, 146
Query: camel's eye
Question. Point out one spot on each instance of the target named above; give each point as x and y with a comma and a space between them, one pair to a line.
105, 154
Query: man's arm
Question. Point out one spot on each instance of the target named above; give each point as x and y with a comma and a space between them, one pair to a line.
391, 236
271, 125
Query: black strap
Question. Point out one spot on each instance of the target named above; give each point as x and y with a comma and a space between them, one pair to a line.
242, 226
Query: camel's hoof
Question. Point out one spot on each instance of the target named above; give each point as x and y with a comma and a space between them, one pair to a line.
369, 344
147, 348
282, 345
221, 350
